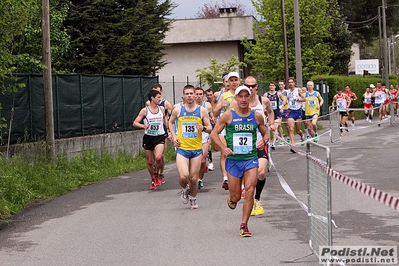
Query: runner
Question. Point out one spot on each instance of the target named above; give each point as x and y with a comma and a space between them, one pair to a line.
283, 110
199, 99
154, 137
191, 120
348, 91
260, 105
380, 97
343, 101
392, 99
276, 99
233, 81
241, 126
159, 171
295, 97
210, 99
313, 102
367, 104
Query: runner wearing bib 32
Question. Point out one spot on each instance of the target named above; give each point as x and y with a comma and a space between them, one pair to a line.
241, 151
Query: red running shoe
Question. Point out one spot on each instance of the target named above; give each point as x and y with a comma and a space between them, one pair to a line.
157, 181
162, 178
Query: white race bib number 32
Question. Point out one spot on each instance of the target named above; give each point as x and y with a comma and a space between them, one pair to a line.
242, 143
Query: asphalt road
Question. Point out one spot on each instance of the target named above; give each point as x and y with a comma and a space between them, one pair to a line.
121, 222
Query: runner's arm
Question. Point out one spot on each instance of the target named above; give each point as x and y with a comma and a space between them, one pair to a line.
137, 122
223, 121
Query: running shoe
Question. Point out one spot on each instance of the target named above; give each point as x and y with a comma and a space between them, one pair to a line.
157, 181
232, 205
153, 186
200, 184
302, 141
316, 139
272, 146
185, 194
243, 193
244, 232
258, 207
193, 203
253, 212
162, 178
292, 150
211, 167
281, 143
225, 185
341, 134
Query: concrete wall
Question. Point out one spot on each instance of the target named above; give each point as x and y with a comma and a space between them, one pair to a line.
185, 59
129, 141
210, 30
193, 42
355, 56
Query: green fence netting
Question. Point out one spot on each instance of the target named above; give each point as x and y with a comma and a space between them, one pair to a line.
83, 105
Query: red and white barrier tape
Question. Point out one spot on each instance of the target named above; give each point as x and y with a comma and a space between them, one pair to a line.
376, 194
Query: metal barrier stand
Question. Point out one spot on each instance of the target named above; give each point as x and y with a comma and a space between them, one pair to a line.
319, 199
335, 125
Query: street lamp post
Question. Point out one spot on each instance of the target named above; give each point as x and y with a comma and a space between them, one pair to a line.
298, 55
394, 53
284, 38
385, 43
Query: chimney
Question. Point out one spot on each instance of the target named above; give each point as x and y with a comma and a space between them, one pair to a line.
227, 12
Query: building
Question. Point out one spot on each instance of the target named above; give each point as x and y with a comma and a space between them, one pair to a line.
193, 42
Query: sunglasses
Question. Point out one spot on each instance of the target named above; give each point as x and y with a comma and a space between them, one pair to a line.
250, 85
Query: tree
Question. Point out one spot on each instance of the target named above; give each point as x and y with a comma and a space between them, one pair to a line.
266, 55
340, 41
117, 37
211, 10
212, 74
21, 36
15, 18
362, 18
31, 40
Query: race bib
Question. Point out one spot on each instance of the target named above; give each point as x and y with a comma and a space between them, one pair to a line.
312, 104
153, 129
273, 105
189, 130
242, 143
341, 105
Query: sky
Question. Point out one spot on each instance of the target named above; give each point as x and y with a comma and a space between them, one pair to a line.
188, 8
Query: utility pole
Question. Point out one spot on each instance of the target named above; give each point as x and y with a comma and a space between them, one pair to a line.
385, 43
285, 44
47, 79
298, 55
380, 40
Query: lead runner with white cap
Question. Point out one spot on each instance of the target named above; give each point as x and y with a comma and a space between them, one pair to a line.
241, 152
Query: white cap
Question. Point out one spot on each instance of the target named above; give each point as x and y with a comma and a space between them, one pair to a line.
233, 74
372, 86
241, 88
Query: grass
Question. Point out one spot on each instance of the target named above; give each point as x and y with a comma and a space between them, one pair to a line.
30, 178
